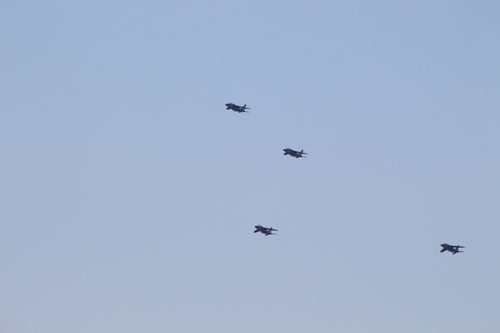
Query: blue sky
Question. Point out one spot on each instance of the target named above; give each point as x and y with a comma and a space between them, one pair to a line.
129, 193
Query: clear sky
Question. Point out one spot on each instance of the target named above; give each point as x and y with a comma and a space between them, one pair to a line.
129, 193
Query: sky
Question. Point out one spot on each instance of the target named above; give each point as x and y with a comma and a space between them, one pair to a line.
129, 194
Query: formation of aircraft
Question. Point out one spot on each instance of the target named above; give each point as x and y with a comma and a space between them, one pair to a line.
264, 230
236, 108
451, 248
294, 153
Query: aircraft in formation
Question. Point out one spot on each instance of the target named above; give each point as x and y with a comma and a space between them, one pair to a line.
451, 248
294, 153
237, 108
264, 230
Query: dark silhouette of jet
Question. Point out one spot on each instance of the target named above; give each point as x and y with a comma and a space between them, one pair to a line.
264, 230
294, 153
451, 248
236, 108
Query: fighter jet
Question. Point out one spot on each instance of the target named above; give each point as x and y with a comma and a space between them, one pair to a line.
294, 153
237, 108
264, 230
452, 248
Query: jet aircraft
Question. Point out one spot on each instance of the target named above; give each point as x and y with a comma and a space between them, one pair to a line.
264, 230
236, 108
452, 248
294, 153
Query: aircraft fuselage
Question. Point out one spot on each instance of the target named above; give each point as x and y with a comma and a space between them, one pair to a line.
294, 153
236, 108
451, 248
264, 230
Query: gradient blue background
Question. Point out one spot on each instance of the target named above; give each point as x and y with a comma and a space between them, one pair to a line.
129, 194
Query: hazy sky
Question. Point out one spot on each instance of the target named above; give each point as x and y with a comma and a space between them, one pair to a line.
129, 193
